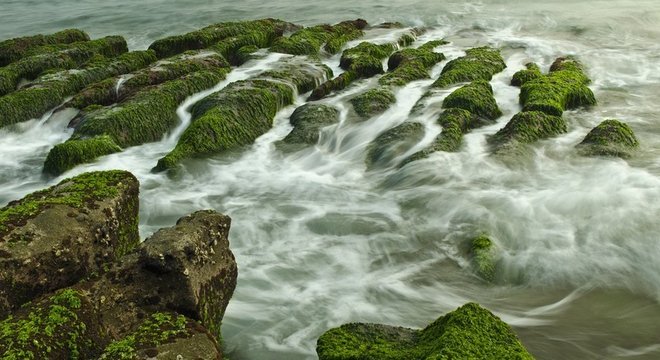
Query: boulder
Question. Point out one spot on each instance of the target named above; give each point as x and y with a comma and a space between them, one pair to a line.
393, 143
408, 65
527, 127
53, 238
609, 138
15, 49
483, 256
469, 332
531, 72
373, 102
478, 64
477, 98
308, 41
308, 120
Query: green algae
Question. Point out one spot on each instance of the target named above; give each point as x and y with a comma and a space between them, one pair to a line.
49, 91
478, 64
67, 155
15, 49
476, 97
308, 41
610, 138
521, 77
528, 127
213, 34
408, 65
483, 257
73, 56
373, 102
564, 88
159, 328
308, 120
469, 332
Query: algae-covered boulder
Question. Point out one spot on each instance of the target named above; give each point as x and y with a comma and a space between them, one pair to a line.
60, 326
478, 64
165, 335
531, 72
483, 256
237, 115
213, 34
564, 88
477, 98
308, 120
51, 90
308, 41
408, 65
609, 138
469, 332
393, 143
145, 117
15, 49
55, 237
373, 102
72, 56
527, 127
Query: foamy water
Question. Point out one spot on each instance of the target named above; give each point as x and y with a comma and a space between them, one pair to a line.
320, 241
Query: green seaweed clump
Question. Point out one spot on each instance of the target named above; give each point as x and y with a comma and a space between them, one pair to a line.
373, 102
564, 88
521, 77
476, 97
15, 49
159, 328
483, 257
72, 56
477, 64
213, 34
527, 127
308, 41
308, 120
469, 332
408, 65
609, 138
393, 143
51, 90
67, 155
52, 329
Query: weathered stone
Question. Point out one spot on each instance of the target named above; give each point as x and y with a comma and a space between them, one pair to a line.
470, 332
53, 238
475, 97
478, 64
308, 120
373, 102
15, 49
527, 127
609, 138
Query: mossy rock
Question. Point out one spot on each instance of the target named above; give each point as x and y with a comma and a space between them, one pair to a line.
71, 57
62, 326
67, 155
476, 97
51, 90
308, 120
455, 122
609, 138
564, 88
482, 252
308, 41
373, 102
408, 65
393, 143
15, 49
106, 92
478, 64
531, 72
78, 225
527, 127
213, 34
469, 332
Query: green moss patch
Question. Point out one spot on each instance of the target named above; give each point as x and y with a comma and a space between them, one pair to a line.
531, 72
470, 332
15, 49
483, 257
477, 64
67, 155
49, 91
373, 102
213, 34
476, 97
408, 65
609, 138
308, 41
528, 127
564, 88
308, 120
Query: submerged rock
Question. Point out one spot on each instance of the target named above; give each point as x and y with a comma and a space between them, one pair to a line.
308, 120
527, 127
609, 138
564, 88
469, 332
373, 102
478, 64
15, 49
482, 252
51, 90
477, 98
393, 143
53, 238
